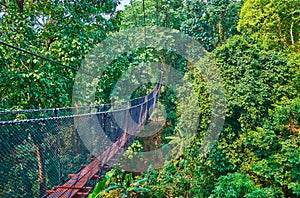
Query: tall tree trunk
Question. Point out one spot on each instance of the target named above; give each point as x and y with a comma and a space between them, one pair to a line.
221, 31
41, 164
20, 4
291, 32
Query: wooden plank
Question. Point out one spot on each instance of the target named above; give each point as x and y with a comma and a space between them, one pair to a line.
86, 189
48, 192
81, 194
71, 175
95, 177
79, 180
75, 185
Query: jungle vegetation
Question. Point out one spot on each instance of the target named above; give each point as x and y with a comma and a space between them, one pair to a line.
254, 43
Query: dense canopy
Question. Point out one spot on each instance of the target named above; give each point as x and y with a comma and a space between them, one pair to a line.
255, 44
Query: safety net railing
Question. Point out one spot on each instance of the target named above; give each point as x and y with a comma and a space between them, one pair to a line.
40, 147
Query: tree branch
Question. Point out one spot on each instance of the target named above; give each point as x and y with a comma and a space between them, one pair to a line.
221, 32
20, 4
291, 31
51, 40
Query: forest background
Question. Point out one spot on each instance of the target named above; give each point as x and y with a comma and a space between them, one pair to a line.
255, 45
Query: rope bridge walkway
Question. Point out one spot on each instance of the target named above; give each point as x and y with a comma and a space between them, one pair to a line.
40, 147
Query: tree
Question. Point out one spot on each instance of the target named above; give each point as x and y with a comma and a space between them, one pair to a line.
163, 13
211, 22
62, 30
252, 148
274, 23
238, 185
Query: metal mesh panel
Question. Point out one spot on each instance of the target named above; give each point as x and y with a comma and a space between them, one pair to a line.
39, 148
53, 143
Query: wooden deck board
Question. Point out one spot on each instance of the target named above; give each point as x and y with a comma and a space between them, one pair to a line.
77, 182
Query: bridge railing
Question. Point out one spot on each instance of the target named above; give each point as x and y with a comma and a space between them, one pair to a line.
40, 147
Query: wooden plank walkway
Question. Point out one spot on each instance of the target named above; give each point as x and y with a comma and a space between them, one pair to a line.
75, 186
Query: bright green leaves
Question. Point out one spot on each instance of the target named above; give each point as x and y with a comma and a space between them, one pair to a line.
240, 185
281, 170
101, 185
274, 23
111, 186
233, 185
258, 152
252, 79
163, 13
62, 30
287, 113
262, 142
211, 22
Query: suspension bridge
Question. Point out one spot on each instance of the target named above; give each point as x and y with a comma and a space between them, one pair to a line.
39, 147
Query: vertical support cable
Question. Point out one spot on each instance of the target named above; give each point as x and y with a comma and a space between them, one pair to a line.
61, 176
145, 30
144, 13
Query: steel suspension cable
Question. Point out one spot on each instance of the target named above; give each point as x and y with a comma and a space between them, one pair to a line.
45, 58
36, 55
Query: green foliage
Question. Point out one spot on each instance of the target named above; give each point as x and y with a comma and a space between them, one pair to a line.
274, 23
61, 30
164, 13
128, 187
101, 185
254, 80
64, 31
21, 170
235, 185
262, 142
257, 154
287, 112
211, 22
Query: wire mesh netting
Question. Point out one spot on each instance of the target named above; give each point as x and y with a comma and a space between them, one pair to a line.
47, 149
39, 148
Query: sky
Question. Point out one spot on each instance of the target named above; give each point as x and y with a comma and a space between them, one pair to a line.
123, 3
